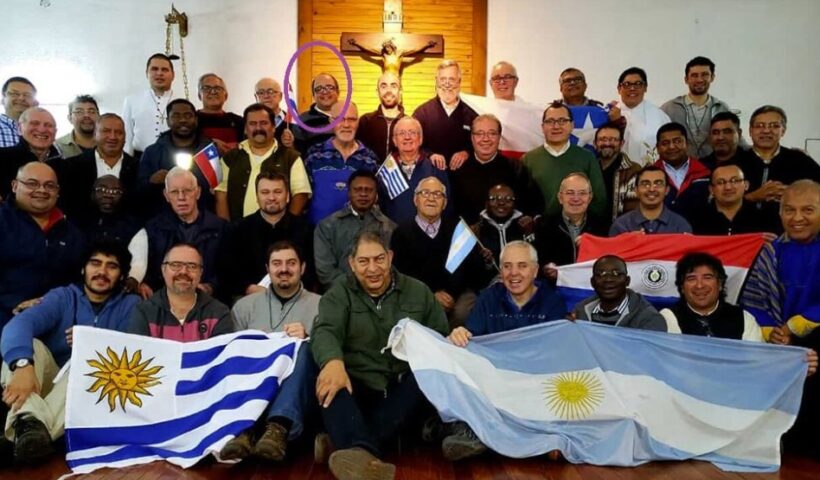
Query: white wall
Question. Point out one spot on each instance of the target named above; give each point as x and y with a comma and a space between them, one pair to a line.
100, 46
766, 51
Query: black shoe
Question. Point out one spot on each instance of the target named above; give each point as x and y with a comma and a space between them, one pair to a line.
32, 442
434, 430
462, 443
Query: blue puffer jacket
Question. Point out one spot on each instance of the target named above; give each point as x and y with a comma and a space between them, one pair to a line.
61, 309
33, 261
495, 310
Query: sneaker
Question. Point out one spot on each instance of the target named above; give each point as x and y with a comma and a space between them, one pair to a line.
273, 443
322, 448
434, 430
359, 464
238, 447
32, 442
462, 443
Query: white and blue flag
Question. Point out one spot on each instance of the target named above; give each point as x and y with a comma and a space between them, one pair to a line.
461, 245
134, 399
393, 179
612, 396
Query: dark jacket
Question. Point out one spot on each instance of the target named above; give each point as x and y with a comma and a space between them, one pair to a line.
12, 158
303, 139
446, 134
208, 318
211, 239
402, 209
642, 315
710, 221
554, 242
77, 176
689, 198
495, 311
353, 327
494, 236
119, 227
33, 260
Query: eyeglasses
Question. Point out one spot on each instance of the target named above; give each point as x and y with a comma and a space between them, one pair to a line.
33, 185
481, 134
266, 92
678, 141
25, 95
501, 198
178, 266
732, 181
572, 81
407, 133
184, 192
628, 85
648, 184
436, 194
108, 191
324, 89
575, 193
210, 89
503, 78
551, 122
609, 140
769, 125
609, 273
85, 111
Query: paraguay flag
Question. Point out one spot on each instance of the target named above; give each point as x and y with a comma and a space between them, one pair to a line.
650, 261
207, 160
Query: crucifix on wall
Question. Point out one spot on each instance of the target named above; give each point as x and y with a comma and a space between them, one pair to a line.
393, 46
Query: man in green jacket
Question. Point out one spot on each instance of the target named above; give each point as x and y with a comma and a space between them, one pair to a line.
367, 395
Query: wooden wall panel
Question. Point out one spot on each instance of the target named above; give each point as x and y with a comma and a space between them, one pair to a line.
462, 22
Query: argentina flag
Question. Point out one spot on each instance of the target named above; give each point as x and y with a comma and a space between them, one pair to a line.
133, 399
613, 396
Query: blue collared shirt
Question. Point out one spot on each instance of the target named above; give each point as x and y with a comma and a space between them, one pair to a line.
634, 221
9, 135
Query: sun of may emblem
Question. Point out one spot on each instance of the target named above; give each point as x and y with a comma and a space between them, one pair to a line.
573, 395
123, 378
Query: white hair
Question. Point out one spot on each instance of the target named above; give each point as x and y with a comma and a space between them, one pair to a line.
520, 244
179, 172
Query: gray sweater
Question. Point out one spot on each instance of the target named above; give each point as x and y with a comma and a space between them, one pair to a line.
264, 311
640, 313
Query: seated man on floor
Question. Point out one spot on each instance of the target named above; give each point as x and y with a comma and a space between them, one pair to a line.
37, 343
615, 304
519, 301
367, 395
181, 310
283, 307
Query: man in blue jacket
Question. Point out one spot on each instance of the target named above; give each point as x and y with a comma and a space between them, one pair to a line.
36, 343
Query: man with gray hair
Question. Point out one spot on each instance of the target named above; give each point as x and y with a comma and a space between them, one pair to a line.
83, 113
503, 80
226, 129
183, 223
268, 92
37, 132
446, 120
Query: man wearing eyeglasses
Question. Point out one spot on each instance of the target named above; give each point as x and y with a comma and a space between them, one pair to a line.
37, 132
83, 113
181, 310
503, 80
19, 95
617, 169
106, 218
557, 158
642, 117
268, 92
688, 179
651, 216
39, 248
573, 85
325, 90
144, 112
728, 213
615, 304
225, 129
185, 222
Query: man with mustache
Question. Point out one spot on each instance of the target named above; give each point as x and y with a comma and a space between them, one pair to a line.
79, 173
285, 306
19, 95
446, 120
573, 85
696, 109
254, 235
181, 310
688, 179
224, 128
38, 341
83, 114
258, 153
145, 112
330, 163
183, 139
37, 131
376, 128
725, 139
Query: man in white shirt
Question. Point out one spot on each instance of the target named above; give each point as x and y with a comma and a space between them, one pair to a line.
144, 112
642, 118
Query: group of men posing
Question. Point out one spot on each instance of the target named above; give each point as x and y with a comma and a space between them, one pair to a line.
162, 253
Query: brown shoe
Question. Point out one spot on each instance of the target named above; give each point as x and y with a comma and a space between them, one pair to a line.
359, 464
237, 448
273, 443
322, 448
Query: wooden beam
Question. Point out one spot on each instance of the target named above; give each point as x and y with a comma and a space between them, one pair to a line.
305, 62
479, 76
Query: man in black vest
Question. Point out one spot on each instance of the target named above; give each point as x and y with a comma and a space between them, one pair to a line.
260, 152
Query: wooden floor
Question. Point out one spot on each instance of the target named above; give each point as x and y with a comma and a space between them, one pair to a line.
424, 463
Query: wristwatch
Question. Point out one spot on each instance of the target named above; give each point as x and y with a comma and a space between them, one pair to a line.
23, 362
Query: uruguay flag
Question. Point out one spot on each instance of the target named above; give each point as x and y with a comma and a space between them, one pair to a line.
133, 399
612, 396
207, 160
650, 262
392, 177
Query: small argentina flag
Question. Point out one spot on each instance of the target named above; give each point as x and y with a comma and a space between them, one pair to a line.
392, 177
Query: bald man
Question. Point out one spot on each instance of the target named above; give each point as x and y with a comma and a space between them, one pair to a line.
268, 92
37, 133
376, 128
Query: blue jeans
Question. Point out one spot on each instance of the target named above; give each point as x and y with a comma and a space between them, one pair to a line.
297, 394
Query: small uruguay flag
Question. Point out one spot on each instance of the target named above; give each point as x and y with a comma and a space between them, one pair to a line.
207, 160
392, 177
460, 246
134, 399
